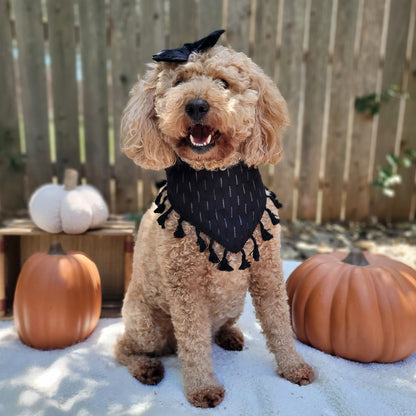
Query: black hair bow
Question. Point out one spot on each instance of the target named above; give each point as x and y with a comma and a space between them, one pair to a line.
182, 54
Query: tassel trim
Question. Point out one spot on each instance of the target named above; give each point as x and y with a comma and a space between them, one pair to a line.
213, 258
179, 233
201, 243
162, 219
272, 196
273, 218
255, 253
223, 264
245, 264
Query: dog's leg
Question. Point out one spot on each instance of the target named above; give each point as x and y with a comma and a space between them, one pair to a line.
192, 326
230, 337
268, 291
147, 334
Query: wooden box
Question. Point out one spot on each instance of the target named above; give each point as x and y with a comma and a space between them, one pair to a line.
110, 247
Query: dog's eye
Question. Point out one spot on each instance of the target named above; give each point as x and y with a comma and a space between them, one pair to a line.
178, 82
224, 83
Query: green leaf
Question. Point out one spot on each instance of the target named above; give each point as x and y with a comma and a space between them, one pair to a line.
393, 160
406, 162
386, 171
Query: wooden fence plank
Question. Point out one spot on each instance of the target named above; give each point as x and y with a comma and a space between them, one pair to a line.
316, 77
404, 201
29, 33
182, 22
11, 163
264, 53
342, 103
152, 40
94, 73
152, 31
393, 71
64, 85
238, 25
210, 17
365, 82
290, 84
124, 58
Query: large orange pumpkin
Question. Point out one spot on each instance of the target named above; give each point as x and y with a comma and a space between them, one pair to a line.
361, 307
57, 300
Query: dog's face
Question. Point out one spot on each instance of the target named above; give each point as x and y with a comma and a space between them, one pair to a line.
213, 111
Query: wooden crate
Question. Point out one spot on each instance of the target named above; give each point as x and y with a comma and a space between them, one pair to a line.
110, 247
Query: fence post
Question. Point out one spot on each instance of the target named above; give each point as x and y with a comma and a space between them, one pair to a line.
11, 161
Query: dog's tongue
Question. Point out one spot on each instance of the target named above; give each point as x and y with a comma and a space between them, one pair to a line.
200, 133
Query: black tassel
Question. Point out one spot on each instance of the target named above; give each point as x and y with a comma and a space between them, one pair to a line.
202, 244
273, 217
245, 264
179, 233
272, 197
213, 258
265, 235
161, 220
159, 195
256, 254
224, 266
161, 206
161, 184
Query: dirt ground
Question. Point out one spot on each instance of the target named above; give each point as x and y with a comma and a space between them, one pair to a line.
302, 239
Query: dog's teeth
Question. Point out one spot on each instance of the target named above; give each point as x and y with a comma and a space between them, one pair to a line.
194, 142
207, 141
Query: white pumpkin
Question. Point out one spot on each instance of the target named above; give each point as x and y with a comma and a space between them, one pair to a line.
69, 208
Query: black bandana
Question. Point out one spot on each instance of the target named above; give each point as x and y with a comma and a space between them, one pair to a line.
182, 54
226, 205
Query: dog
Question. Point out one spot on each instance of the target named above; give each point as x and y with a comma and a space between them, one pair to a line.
209, 116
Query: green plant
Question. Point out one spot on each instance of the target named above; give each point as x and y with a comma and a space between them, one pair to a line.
387, 176
13, 160
370, 104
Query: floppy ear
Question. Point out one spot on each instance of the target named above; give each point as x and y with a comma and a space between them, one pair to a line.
272, 117
141, 139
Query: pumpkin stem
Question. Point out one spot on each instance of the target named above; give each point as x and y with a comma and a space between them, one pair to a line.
70, 179
356, 258
56, 248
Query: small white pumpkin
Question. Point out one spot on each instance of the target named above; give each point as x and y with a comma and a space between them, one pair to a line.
69, 208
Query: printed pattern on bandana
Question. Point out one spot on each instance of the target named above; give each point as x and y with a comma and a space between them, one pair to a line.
226, 205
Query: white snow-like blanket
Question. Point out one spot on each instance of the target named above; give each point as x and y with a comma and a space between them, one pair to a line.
85, 380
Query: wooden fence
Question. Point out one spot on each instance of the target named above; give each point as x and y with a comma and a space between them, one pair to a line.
66, 68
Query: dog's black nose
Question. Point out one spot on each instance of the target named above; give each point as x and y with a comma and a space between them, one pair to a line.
197, 109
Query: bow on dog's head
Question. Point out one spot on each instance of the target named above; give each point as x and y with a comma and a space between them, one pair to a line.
182, 54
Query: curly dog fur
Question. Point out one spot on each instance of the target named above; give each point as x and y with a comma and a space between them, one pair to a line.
177, 300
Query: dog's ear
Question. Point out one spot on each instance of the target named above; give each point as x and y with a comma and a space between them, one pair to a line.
272, 117
141, 139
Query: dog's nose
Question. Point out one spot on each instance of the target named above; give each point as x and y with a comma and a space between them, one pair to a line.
197, 109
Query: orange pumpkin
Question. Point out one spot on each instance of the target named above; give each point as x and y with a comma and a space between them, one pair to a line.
361, 307
57, 300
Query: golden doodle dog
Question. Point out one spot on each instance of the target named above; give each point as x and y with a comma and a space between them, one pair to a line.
209, 116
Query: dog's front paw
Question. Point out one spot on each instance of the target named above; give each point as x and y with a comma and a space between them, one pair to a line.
148, 371
301, 374
231, 339
206, 396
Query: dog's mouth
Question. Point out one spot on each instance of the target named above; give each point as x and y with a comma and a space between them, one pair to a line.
202, 138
